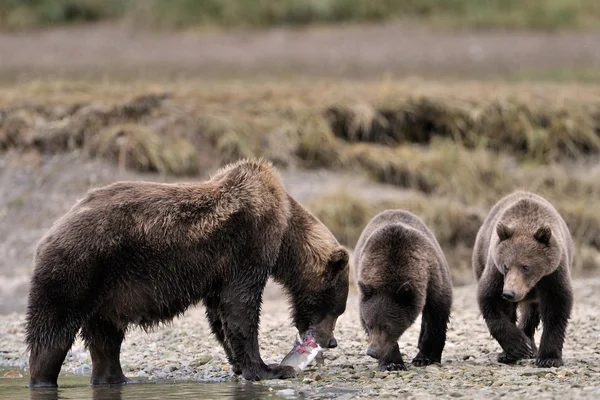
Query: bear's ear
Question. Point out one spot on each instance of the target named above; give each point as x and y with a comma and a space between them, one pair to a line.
504, 232
543, 235
404, 292
366, 290
338, 260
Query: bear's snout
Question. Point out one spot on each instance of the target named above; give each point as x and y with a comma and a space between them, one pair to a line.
508, 295
371, 352
332, 343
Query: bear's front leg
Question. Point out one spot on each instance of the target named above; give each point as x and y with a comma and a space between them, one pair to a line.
500, 316
556, 303
212, 305
392, 360
240, 313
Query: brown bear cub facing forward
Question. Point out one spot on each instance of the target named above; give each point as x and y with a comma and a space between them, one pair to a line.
401, 272
142, 253
522, 259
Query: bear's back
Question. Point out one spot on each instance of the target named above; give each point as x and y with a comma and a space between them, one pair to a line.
397, 243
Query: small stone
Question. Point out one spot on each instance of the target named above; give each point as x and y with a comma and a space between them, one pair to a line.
169, 369
142, 374
200, 360
13, 374
541, 372
285, 392
83, 370
307, 380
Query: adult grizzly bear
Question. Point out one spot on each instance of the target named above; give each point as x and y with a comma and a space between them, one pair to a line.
522, 259
142, 253
401, 272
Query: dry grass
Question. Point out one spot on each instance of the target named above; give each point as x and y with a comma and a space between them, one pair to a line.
532, 131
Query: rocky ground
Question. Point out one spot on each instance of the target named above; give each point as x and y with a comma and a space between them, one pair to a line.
186, 350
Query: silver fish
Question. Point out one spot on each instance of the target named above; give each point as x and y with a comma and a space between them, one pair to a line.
303, 353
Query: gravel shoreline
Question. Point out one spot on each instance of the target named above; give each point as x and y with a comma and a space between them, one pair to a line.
185, 350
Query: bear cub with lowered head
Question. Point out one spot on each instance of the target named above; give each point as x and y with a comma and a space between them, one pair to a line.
522, 260
402, 272
142, 253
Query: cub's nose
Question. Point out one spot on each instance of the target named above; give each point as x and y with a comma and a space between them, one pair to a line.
371, 352
332, 343
508, 295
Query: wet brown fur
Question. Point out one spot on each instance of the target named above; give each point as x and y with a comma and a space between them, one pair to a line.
401, 272
524, 249
142, 253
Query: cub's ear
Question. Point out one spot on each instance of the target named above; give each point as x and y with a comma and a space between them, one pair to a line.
404, 292
366, 290
504, 232
543, 235
338, 260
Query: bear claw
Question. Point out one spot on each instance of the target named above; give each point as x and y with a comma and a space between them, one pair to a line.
548, 362
505, 359
271, 372
393, 367
422, 361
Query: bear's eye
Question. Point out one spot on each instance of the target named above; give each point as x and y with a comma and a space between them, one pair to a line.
524, 268
505, 268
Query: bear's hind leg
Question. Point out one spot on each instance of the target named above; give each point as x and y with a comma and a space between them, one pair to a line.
45, 365
216, 325
529, 321
240, 312
50, 333
103, 339
434, 325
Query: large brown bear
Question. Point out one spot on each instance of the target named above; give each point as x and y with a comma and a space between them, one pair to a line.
522, 259
401, 272
142, 253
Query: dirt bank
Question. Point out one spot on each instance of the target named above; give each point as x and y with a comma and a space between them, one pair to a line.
356, 50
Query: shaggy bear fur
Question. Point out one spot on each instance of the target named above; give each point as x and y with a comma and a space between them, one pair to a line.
401, 272
142, 253
522, 259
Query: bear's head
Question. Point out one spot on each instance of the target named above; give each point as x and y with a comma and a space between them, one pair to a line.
317, 309
524, 256
313, 268
386, 311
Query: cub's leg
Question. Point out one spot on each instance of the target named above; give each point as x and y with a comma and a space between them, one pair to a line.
434, 325
529, 321
556, 304
500, 317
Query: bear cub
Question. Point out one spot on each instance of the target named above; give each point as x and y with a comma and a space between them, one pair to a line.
141, 253
402, 272
522, 260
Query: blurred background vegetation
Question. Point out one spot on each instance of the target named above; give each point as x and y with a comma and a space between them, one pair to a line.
179, 14
443, 147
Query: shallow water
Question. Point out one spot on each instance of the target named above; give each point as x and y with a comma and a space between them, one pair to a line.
76, 387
